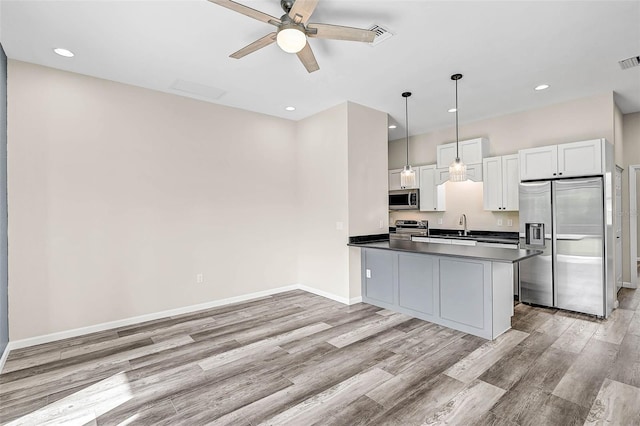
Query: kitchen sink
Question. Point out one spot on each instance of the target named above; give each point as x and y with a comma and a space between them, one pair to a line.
465, 237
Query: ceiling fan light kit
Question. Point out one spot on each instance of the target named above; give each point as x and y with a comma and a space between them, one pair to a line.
291, 39
457, 169
292, 30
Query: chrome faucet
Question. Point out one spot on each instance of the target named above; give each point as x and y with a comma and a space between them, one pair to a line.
463, 221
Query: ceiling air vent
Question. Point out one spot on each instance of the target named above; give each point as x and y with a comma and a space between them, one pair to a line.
197, 89
382, 34
634, 61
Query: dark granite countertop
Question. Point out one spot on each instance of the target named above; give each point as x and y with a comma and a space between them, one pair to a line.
505, 255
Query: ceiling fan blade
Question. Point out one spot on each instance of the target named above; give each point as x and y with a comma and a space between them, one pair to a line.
337, 32
308, 59
245, 10
258, 44
301, 10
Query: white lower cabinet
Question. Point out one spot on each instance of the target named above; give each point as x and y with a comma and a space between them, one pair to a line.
501, 180
432, 195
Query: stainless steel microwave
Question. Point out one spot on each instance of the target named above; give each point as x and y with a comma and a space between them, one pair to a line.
404, 200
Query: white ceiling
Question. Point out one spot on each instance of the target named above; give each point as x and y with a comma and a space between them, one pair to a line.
504, 49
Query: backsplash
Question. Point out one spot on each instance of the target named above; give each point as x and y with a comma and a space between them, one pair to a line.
462, 198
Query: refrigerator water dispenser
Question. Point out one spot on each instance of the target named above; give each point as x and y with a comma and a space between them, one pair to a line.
534, 234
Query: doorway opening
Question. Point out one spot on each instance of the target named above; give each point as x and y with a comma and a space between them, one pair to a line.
634, 263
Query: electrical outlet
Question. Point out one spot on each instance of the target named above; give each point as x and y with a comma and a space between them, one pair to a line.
499, 222
339, 226
199, 278
440, 221
381, 224
368, 273
509, 222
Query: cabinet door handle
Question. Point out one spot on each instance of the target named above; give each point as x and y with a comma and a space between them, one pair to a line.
560, 173
554, 174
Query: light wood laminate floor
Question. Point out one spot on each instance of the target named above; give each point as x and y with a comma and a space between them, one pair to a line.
300, 359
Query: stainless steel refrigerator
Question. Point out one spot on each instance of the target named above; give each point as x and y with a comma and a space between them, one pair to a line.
567, 220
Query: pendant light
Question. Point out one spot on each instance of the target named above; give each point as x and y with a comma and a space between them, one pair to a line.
408, 175
457, 169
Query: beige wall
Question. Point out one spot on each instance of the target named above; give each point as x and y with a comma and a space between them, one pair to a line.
119, 196
581, 119
631, 137
323, 201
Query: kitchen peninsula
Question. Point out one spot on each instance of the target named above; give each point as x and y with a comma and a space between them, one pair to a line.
462, 287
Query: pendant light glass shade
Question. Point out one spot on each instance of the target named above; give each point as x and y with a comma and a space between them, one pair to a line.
408, 175
457, 169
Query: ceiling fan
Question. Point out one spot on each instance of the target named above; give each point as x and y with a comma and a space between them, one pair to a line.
292, 30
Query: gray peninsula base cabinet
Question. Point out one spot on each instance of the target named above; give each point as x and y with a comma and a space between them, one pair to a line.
471, 295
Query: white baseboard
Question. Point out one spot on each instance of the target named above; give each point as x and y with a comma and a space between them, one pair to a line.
323, 293
629, 285
32, 341
5, 355
47, 338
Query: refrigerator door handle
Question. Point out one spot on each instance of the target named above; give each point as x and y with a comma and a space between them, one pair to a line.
571, 237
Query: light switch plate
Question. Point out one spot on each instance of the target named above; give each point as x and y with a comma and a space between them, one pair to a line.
509, 222
368, 273
439, 221
499, 222
339, 226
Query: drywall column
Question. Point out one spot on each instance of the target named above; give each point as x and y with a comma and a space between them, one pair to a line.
368, 182
342, 190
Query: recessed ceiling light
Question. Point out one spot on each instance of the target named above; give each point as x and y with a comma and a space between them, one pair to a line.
64, 52
452, 110
290, 108
393, 126
541, 87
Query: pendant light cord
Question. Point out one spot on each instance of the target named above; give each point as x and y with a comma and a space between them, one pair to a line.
406, 118
457, 154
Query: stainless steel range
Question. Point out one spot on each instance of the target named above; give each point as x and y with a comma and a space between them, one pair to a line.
406, 228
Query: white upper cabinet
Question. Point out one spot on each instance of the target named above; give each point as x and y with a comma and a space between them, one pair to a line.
394, 180
570, 159
501, 180
471, 151
432, 196
538, 163
580, 158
